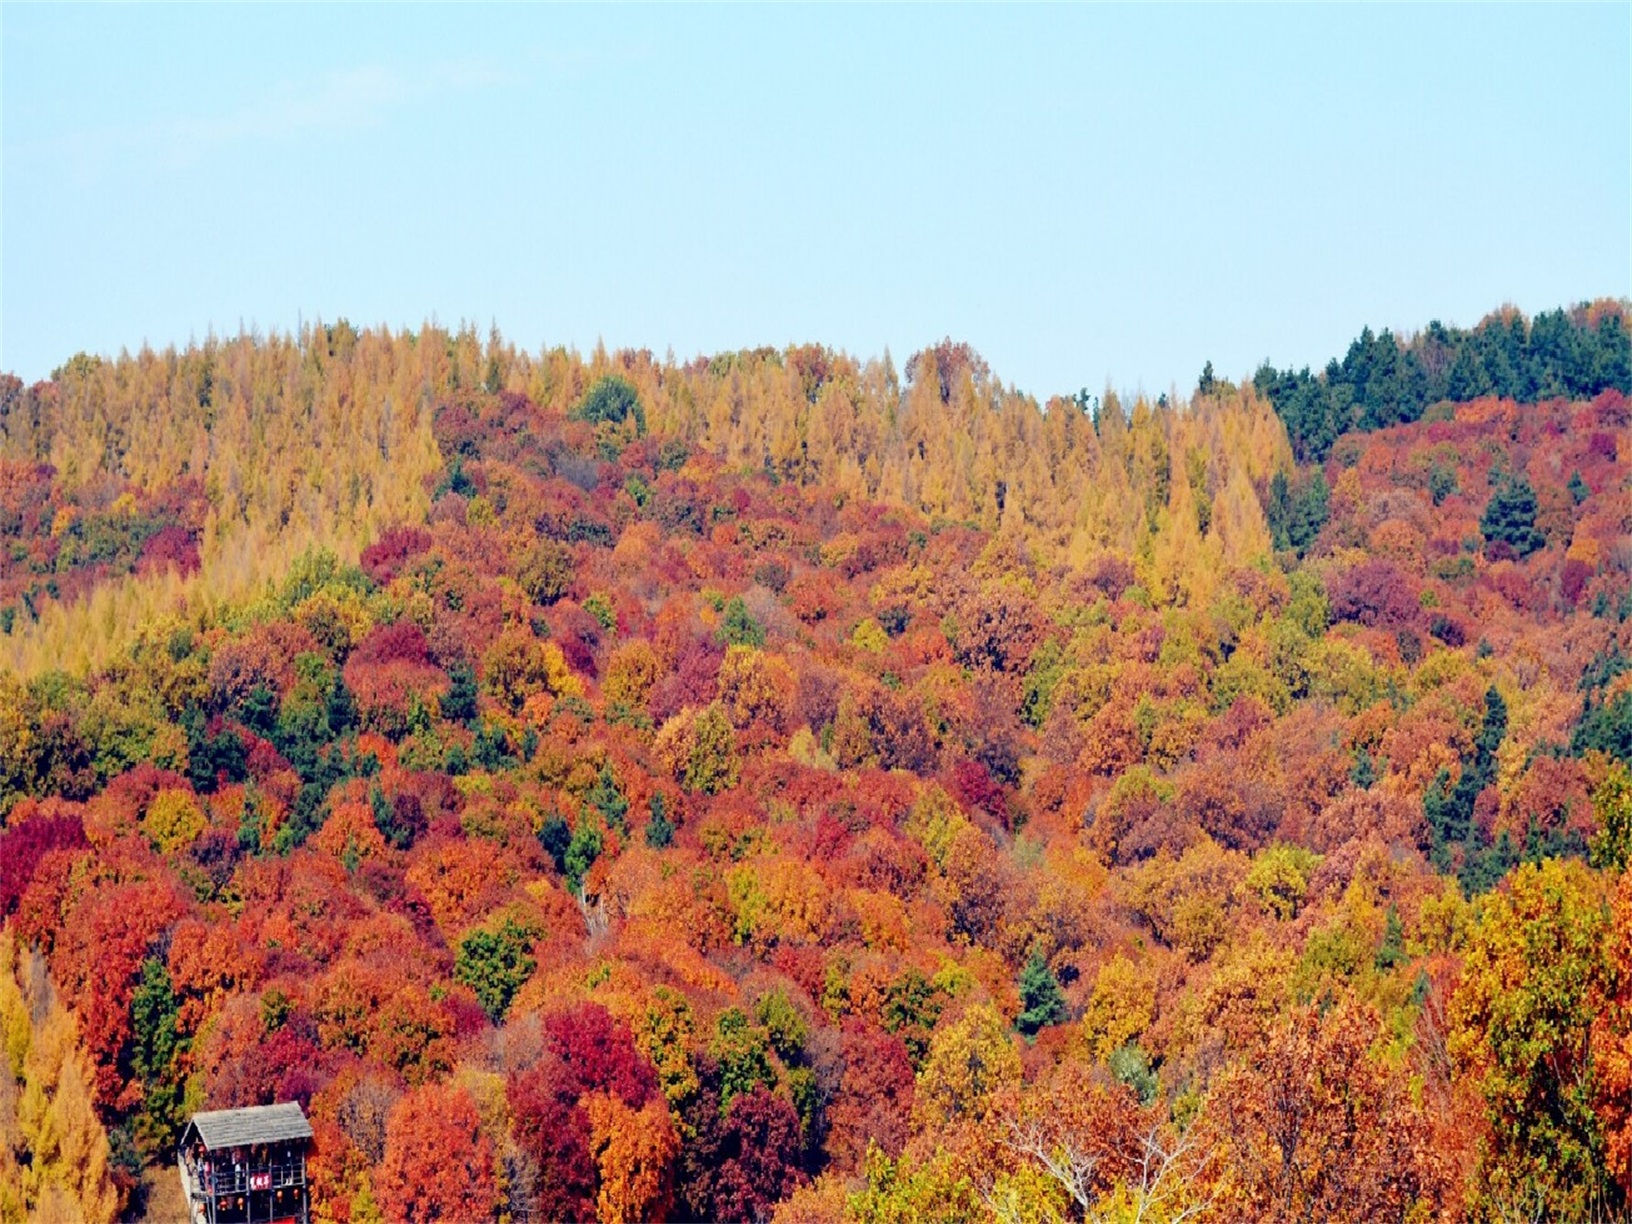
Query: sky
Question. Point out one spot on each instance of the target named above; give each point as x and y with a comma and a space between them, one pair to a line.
1090, 195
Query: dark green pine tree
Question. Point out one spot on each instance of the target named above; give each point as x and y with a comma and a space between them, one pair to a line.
1278, 514
1491, 734
339, 707
259, 710
554, 836
1392, 951
1450, 808
1310, 510
249, 823
608, 800
459, 706
660, 829
155, 1042
1510, 517
1041, 1000
1442, 823
1296, 514
1364, 772
1468, 378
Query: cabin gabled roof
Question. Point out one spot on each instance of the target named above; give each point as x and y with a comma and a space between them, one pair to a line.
226, 1128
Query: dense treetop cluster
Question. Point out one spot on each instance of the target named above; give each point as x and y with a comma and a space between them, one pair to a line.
772, 787
1381, 381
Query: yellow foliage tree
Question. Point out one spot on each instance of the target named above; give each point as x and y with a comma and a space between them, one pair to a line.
969, 1062
755, 688
635, 1151
173, 820
55, 1162
1119, 1010
630, 674
699, 749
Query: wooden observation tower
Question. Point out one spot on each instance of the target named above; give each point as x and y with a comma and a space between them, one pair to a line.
246, 1166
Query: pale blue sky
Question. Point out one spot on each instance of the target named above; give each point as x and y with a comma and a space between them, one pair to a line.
1082, 193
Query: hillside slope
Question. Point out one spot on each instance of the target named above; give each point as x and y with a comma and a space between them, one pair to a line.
764, 787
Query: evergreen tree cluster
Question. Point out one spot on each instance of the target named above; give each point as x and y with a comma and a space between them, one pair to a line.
1041, 999
1298, 508
1510, 518
1450, 807
1382, 381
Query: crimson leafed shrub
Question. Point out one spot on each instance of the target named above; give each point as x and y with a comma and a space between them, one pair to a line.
170, 547
402, 642
1374, 593
384, 559
597, 1054
23, 846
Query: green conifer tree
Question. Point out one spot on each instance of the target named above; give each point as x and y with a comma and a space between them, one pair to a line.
1510, 517
1042, 1001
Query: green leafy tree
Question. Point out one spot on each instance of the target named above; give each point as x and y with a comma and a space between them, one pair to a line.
1042, 1002
738, 626
784, 1024
612, 400
742, 1050
1612, 804
1521, 1024
1131, 1065
155, 1044
912, 1005
711, 765
581, 853
495, 964
1510, 517
546, 572
1441, 481
606, 799
1392, 950
659, 829
1048, 668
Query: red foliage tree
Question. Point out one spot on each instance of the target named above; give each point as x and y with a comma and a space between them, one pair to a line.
1375, 593
553, 1130
170, 548
438, 1164
874, 1101
597, 1054
737, 1167
23, 846
385, 558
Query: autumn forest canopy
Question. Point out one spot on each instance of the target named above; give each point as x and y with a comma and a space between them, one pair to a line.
779, 786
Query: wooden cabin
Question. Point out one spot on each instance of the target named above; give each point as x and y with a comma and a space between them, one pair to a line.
246, 1166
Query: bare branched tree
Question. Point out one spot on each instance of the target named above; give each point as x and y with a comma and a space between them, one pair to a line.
1159, 1171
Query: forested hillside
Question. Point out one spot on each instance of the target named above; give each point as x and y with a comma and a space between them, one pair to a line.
782, 786
1382, 381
